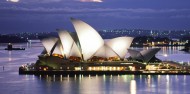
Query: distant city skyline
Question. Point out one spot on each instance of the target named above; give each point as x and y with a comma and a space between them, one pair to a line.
48, 15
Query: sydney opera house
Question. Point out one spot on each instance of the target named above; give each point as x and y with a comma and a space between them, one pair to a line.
86, 50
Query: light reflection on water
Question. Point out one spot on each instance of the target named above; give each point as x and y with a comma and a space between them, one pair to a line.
13, 83
124, 84
133, 87
10, 57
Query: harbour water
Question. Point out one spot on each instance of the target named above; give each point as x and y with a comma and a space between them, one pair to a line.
13, 83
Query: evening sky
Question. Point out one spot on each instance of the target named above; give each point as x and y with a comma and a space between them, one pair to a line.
48, 15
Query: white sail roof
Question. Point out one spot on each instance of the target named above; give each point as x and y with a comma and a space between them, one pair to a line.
134, 54
86, 41
105, 52
66, 41
120, 45
89, 38
57, 49
148, 54
48, 43
144, 55
75, 51
69, 46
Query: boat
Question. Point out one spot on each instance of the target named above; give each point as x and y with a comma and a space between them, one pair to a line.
10, 47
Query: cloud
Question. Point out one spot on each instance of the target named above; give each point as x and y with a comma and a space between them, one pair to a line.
15, 1
49, 1
99, 1
129, 13
92, 10
37, 1
181, 16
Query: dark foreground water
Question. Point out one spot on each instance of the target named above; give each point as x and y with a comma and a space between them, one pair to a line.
13, 83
